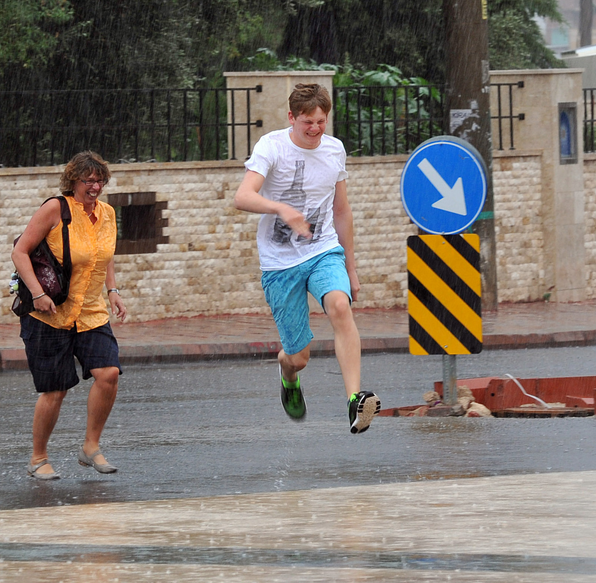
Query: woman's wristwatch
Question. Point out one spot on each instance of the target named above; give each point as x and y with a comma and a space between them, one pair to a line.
114, 289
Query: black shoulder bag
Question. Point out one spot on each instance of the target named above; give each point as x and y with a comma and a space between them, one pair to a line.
53, 277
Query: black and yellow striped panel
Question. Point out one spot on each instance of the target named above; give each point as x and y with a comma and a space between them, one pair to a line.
444, 294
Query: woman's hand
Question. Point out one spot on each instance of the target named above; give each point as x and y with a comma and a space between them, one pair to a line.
44, 305
117, 306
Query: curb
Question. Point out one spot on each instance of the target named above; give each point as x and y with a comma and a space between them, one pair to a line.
13, 359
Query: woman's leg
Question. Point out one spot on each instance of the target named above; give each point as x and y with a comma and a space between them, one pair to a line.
47, 411
99, 405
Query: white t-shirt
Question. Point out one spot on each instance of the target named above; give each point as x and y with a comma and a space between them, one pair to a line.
304, 179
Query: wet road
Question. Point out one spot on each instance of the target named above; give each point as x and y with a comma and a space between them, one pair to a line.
204, 429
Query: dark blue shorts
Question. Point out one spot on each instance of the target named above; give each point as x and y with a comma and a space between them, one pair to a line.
51, 351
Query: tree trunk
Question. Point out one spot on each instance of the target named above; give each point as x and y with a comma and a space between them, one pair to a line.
586, 12
468, 89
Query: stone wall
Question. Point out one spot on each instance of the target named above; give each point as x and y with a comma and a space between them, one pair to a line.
519, 227
563, 210
210, 263
590, 214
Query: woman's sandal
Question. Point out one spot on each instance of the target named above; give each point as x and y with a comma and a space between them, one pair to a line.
89, 460
32, 471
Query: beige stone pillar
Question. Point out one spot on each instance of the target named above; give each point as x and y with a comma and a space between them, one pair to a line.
541, 98
269, 105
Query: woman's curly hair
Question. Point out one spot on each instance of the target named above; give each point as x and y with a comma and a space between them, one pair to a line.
80, 167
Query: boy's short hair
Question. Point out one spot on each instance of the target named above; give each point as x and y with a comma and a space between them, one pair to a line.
306, 97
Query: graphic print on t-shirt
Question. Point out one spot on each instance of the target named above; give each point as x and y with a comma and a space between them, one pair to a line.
295, 196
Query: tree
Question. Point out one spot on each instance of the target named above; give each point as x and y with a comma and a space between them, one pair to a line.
409, 34
83, 44
91, 44
30, 32
514, 38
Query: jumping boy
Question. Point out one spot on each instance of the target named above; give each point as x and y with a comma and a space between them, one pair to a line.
296, 179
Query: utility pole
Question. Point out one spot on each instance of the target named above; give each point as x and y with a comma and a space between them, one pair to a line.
468, 114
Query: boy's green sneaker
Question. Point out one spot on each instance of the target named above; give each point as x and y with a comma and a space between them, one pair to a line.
362, 407
292, 399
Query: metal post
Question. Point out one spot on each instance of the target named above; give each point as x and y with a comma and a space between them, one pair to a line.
449, 380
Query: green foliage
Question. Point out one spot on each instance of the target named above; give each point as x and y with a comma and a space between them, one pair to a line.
123, 44
407, 34
515, 41
30, 30
378, 111
530, 8
83, 44
381, 112
129, 43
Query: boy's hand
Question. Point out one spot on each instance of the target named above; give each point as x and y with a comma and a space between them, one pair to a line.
296, 221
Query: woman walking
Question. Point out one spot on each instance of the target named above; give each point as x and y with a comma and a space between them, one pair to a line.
54, 335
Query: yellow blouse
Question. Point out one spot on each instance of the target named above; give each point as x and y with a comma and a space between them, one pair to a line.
92, 247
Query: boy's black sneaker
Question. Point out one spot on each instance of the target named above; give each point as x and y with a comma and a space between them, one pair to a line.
292, 400
362, 408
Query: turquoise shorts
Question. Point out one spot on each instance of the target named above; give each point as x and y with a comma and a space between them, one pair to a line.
286, 292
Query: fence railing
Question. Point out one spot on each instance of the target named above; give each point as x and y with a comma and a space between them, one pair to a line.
39, 128
381, 120
589, 120
502, 106
373, 121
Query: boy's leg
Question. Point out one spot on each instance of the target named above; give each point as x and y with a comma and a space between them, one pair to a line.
330, 282
292, 398
285, 292
347, 339
292, 364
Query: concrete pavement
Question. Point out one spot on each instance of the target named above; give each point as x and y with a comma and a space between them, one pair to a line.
515, 528
532, 528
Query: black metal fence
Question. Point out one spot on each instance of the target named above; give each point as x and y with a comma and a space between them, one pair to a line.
374, 121
502, 105
381, 120
39, 128
589, 120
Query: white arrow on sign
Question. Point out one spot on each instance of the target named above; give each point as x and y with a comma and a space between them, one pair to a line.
453, 200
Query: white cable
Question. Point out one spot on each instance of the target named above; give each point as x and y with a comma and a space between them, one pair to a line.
527, 394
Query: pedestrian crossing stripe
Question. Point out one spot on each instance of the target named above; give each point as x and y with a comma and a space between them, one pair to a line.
444, 294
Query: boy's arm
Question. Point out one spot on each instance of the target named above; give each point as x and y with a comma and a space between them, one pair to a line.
344, 225
248, 199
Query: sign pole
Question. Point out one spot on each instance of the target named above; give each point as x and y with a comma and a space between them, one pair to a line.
449, 380
443, 190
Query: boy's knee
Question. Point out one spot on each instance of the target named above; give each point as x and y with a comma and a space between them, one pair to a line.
299, 360
337, 305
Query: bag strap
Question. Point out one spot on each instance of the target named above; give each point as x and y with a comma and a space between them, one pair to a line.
66, 217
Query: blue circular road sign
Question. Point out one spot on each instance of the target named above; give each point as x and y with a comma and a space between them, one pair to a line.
443, 185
